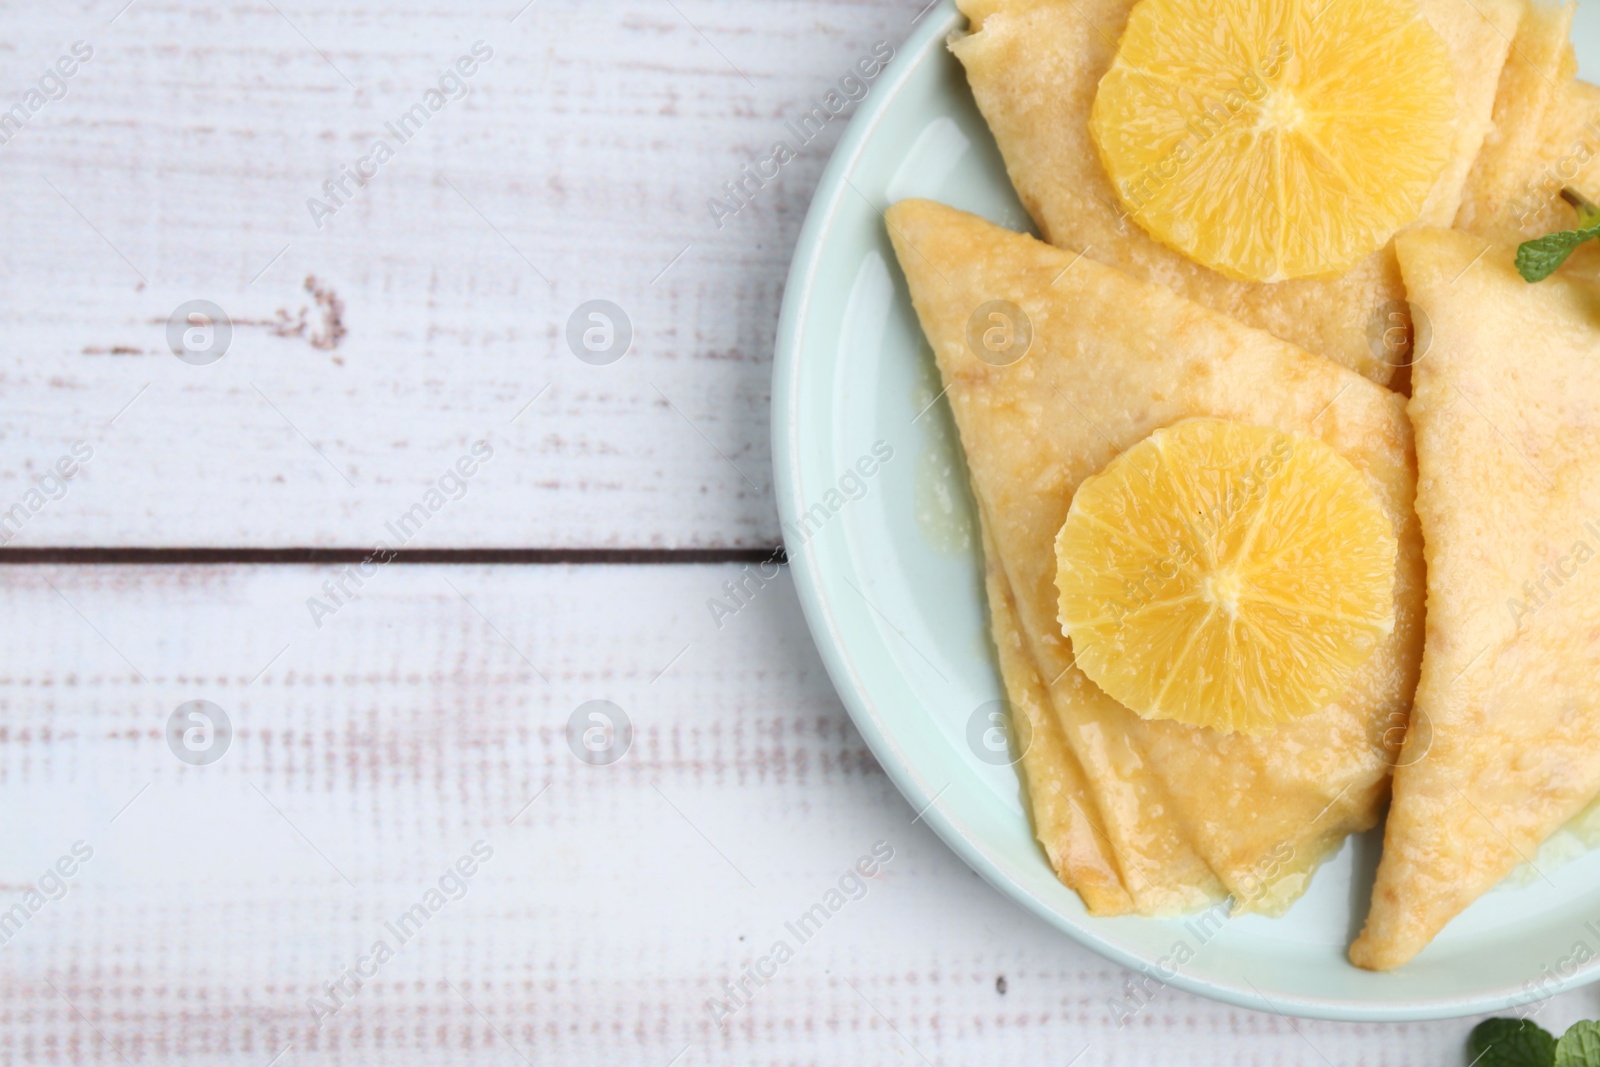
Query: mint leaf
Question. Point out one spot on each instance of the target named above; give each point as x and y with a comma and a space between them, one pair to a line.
1514, 1043
1579, 1046
1538, 259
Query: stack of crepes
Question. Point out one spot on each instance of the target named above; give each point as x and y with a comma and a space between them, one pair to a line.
1481, 442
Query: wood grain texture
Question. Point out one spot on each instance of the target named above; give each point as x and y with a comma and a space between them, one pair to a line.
374, 752
179, 164
431, 711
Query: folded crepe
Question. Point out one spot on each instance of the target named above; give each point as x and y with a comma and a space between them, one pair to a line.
1066, 819
1185, 813
1034, 67
1507, 194
1505, 407
1546, 135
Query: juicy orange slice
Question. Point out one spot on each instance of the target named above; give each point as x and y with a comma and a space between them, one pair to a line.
1274, 139
1225, 575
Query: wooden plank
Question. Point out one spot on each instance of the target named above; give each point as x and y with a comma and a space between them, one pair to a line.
431, 713
430, 310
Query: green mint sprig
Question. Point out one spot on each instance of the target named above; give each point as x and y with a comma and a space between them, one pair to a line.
1512, 1043
1538, 259
1523, 1043
1579, 1046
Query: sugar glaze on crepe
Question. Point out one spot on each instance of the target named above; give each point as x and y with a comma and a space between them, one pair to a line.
1507, 423
1034, 66
1187, 813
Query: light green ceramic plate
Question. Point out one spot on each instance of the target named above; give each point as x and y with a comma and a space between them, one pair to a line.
881, 534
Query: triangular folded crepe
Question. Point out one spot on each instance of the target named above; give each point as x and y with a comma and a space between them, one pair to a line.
1034, 67
1505, 408
1111, 360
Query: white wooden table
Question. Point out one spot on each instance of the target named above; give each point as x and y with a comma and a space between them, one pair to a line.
375, 745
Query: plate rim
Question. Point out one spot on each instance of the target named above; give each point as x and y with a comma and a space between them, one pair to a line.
921, 45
